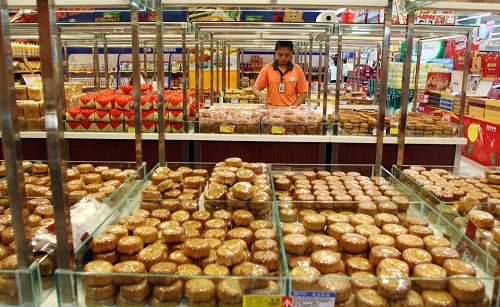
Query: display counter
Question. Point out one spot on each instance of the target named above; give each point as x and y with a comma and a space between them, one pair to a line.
116, 146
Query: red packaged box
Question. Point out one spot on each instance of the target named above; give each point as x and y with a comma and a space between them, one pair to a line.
116, 126
105, 103
175, 115
87, 101
87, 115
123, 102
128, 115
149, 115
101, 127
74, 126
177, 127
146, 102
73, 114
116, 115
148, 126
175, 102
102, 116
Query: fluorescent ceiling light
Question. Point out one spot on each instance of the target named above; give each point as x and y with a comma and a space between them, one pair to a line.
495, 34
495, 39
474, 17
361, 32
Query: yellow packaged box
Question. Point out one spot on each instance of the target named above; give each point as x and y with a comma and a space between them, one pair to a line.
476, 107
492, 110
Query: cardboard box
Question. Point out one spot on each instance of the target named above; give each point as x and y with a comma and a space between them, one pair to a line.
476, 107
492, 110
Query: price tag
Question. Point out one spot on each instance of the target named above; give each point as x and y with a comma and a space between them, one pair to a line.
131, 129
470, 230
393, 131
235, 100
226, 129
207, 102
267, 301
33, 80
277, 130
313, 298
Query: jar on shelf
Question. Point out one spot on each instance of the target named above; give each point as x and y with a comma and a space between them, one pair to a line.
206, 125
241, 126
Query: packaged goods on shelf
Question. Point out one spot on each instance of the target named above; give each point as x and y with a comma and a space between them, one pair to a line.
492, 110
27, 50
461, 198
93, 111
240, 96
396, 73
261, 119
365, 122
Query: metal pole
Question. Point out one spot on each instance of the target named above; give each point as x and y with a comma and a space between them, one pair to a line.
160, 83
97, 77
377, 81
320, 71
202, 76
136, 79
309, 69
325, 81
11, 144
66, 63
338, 83
145, 59
217, 61
228, 85
106, 61
184, 81
238, 69
196, 71
223, 60
465, 77
382, 97
358, 71
405, 90
211, 68
417, 73
53, 92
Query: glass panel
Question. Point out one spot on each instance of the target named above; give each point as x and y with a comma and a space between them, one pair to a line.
269, 283
455, 207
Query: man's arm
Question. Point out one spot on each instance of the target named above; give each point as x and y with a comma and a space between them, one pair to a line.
262, 97
300, 100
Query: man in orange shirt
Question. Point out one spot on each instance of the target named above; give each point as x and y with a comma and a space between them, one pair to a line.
285, 82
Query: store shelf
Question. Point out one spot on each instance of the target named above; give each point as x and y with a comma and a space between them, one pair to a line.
394, 140
250, 72
251, 138
26, 71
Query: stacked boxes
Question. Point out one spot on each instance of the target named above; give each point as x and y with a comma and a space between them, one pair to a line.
30, 108
395, 76
113, 111
492, 110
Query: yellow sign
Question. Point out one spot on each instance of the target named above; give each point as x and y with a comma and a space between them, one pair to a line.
277, 130
261, 301
393, 131
131, 130
226, 129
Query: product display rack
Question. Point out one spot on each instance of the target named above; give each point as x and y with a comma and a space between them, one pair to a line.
51, 61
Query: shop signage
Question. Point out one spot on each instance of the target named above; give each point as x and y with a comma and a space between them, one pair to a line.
491, 64
267, 301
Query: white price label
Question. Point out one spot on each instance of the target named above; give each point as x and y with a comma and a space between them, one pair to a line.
313, 298
235, 100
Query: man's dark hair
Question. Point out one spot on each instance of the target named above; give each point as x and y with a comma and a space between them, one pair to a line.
286, 44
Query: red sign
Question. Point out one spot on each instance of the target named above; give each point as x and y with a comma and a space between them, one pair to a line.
491, 64
286, 301
483, 144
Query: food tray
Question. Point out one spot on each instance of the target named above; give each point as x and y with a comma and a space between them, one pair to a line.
42, 270
450, 210
395, 288
278, 280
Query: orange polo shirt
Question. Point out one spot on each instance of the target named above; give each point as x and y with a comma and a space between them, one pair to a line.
293, 78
